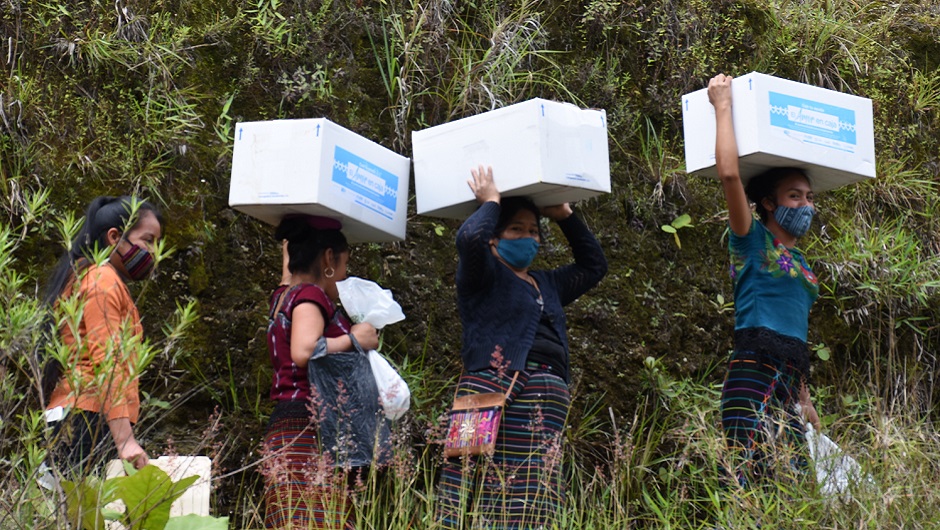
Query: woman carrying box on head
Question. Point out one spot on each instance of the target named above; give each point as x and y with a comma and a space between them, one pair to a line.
305, 488
97, 394
515, 343
774, 290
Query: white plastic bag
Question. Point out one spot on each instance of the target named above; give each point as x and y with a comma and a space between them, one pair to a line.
393, 391
836, 472
366, 301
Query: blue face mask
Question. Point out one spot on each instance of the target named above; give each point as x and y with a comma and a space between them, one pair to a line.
796, 221
518, 252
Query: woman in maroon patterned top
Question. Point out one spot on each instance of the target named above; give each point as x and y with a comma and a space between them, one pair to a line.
303, 490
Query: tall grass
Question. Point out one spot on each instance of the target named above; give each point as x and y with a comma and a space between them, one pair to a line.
452, 60
663, 468
883, 281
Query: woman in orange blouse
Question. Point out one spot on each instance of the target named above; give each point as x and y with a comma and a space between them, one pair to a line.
97, 392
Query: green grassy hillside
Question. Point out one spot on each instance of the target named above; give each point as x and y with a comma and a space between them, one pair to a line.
104, 97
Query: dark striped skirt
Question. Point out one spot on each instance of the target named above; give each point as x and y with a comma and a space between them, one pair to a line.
302, 488
521, 485
763, 431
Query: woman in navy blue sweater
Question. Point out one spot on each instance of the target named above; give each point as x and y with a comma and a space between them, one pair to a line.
514, 325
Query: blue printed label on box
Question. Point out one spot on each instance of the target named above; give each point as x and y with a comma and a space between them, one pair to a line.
365, 183
814, 122
272, 195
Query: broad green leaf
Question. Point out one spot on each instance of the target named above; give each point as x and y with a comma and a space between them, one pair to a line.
148, 496
82, 501
668, 229
197, 522
682, 221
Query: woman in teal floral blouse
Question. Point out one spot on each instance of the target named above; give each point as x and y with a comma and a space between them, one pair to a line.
774, 289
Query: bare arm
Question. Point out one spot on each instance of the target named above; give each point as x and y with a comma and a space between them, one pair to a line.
128, 449
364, 332
285, 260
726, 155
306, 325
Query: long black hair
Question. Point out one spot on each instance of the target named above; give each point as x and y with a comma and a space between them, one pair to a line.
764, 185
308, 237
103, 214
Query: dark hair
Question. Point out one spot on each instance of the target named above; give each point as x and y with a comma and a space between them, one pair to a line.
765, 184
102, 214
306, 244
509, 207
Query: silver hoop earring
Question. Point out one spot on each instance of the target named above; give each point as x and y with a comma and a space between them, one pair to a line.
329, 272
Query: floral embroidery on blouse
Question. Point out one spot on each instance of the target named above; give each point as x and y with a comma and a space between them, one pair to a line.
779, 262
809, 276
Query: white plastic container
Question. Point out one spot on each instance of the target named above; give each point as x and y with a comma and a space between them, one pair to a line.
778, 122
314, 166
549, 151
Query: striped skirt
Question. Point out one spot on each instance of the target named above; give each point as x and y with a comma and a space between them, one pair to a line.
521, 485
302, 488
763, 431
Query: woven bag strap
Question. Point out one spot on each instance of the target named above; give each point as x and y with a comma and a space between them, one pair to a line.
508, 391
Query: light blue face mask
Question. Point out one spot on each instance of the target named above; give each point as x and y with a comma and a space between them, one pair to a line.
518, 252
796, 221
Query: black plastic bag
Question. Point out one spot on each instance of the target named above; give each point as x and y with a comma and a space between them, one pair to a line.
352, 426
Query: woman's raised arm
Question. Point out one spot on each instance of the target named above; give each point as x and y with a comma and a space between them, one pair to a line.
726, 155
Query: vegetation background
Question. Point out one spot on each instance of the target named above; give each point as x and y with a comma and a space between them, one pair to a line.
109, 97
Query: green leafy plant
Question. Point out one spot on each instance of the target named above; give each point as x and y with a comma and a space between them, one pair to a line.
683, 221
225, 124
722, 305
656, 158
147, 496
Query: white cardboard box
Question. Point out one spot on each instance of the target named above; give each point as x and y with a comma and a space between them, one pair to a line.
195, 500
778, 122
549, 151
314, 166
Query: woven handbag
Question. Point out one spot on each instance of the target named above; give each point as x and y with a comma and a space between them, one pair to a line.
474, 423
